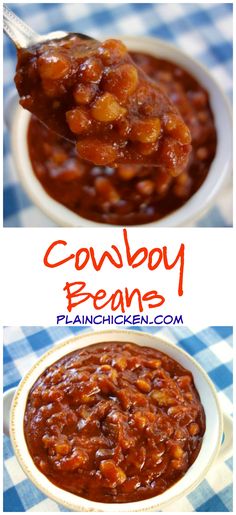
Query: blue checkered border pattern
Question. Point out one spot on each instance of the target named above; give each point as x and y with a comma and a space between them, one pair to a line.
211, 347
203, 30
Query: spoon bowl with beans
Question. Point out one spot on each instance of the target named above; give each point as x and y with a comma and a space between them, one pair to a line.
93, 94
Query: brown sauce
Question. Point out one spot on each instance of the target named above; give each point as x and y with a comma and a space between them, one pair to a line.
114, 422
95, 95
129, 194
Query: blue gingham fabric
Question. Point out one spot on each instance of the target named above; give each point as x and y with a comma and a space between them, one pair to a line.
202, 30
211, 347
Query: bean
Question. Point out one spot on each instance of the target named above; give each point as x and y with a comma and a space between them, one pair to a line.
146, 131
154, 363
177, 451
146, 149
106, 190
130, 485
182, 185
84, 93
202, 153
193, 429
96, 151
188, 396
157, 454
146, 188
127, 172
105, 358
177, 129
162, 397
105, 368
203, 116
44, 467
53, 67
120, 363
104, 453
123, 127
140, 420
165, 76
59, 157
107, 109
72, 171
199, 99
122, 81
78, 120
184, 381
114, 474
63, 448
91, 70
143, 385
77, 460
163, 181
112, 51
171, 155
177, 464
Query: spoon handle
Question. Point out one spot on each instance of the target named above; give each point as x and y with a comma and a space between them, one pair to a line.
18, 31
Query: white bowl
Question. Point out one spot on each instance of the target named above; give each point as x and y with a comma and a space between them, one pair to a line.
197, 204
195, 474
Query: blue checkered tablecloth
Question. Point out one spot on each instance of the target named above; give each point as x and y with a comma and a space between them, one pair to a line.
202, 30
211, 347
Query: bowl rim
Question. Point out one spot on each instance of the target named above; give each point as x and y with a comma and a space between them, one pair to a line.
87, 505
195, 207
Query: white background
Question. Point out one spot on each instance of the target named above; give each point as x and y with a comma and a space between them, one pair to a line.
33, 294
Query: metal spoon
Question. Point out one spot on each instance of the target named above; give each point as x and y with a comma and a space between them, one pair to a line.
23, 36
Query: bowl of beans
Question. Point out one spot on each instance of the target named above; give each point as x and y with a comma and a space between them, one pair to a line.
146, 134
116, 419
